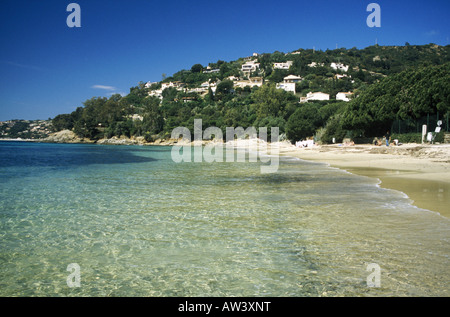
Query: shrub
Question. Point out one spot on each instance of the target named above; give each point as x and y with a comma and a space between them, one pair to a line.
439, 137
303, 123
148, 137
333, 129
407, 137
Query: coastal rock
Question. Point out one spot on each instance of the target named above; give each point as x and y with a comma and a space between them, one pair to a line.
123, 141
64, 136
170, 142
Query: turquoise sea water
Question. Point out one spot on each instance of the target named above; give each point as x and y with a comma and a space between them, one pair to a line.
139, 224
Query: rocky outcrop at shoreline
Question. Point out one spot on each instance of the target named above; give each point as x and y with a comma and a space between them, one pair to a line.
139, 141
65, 136
123, 141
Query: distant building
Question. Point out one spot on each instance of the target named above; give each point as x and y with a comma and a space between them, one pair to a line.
232, 78
315, 96
203, 90
314, 64
199, 90
188, 99
156, 93
292, 79
338, 66
290, 87
175, 84
289, 82
136, 117
208, 84
149, 84
344, 96
339, 76
252, 81
250, 66
210, 70
285, 65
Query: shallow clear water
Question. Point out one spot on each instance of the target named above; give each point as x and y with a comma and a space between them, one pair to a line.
138, 224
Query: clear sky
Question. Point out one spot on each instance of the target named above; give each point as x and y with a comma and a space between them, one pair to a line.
48, 68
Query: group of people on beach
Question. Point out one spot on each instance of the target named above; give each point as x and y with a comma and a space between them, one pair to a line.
387, 137
376, 141
305, 143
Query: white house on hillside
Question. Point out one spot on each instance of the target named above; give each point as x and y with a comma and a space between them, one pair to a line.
315, 96
252, 81
292, 79
289, 82
314, 64
339, 76
210, 70
156, 93
249, 66
338, 66
232, 78
344, 96
285, 65
149, 84
208, 84
176, 84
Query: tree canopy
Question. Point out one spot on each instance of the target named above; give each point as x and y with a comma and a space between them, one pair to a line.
410, 94
389, 83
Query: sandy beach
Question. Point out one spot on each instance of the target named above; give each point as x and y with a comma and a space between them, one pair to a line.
420, 171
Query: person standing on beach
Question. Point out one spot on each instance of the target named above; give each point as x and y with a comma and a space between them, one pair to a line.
388, 136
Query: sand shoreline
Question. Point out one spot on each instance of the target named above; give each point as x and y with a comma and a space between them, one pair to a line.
422, 172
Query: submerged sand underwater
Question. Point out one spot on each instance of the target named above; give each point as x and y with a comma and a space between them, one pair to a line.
138, 224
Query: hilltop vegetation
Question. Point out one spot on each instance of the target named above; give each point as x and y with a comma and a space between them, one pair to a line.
410, 94
387, 83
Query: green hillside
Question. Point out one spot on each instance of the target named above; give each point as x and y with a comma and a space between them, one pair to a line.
387, 83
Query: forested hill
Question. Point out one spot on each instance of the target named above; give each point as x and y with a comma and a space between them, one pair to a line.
227, 94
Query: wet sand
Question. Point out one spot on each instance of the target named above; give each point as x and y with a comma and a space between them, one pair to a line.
426, 194
420, 171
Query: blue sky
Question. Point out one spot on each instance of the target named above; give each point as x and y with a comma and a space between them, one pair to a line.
48, 68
